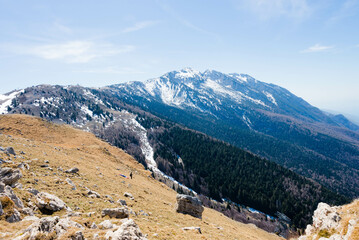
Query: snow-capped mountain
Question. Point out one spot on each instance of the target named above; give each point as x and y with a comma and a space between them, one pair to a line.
223, 95
263, 118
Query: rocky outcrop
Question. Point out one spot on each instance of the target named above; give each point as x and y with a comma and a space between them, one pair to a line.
127, 231
53, 226
189, 205
115, 212
333, 223
49, 203
9, 176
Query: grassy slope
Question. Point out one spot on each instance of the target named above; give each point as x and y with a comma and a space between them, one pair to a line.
100, 165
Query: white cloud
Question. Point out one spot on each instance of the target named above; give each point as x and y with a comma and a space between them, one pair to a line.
317, 48
139, 26
71, 51
265, 9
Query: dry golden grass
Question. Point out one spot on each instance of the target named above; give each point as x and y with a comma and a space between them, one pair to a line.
100, 165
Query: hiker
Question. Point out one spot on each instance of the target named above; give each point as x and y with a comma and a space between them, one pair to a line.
131, 175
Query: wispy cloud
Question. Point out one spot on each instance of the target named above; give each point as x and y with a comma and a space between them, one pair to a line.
317, 48
266, 9
139, 26
70, 51
62, 28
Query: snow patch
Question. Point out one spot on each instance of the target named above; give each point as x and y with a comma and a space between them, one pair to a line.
270, 97
5, 100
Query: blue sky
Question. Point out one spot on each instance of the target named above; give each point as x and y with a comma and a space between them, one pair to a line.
309, 47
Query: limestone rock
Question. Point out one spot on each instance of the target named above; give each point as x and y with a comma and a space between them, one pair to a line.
9, 176
49, 203
127, 231
129, 195
189, 205
93, 194
54, 225
7, 191
326, 217
64, 224
115, 212
72, 170
197, 229
107, 224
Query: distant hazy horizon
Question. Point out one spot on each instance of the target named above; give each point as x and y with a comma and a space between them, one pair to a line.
310, 48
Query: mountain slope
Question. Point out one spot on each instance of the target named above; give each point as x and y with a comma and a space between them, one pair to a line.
100, 165
262, 118
150, 140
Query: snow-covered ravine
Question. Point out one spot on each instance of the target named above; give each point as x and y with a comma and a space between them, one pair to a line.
5, 100
148, 152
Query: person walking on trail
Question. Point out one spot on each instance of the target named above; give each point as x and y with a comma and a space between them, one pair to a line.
131, 175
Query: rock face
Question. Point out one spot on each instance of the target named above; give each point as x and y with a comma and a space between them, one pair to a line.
328, 224
115, 212
189, 205
49, 203
9, 176
127, 231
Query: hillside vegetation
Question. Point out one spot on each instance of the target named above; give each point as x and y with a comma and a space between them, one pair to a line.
39, 143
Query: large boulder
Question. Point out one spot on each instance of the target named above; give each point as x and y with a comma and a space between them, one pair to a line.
48, 203
127, 231
326, 217
115, 212
189, 205
9, 176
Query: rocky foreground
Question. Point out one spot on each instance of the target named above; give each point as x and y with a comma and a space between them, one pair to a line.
60, 183
334, 223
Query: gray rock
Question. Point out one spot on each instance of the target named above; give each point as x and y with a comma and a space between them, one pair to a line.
9, 176
69, 181
93, 226
49, 203
72, 170
127, 231
27, 211
197, 229
93, 194
23, 166
115, 212
33, 191
10, 150
77, 236
1, 211
15, 217
48, 225
122, 202
64, 224
7, 191
129, 195
107, 224
189, 205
